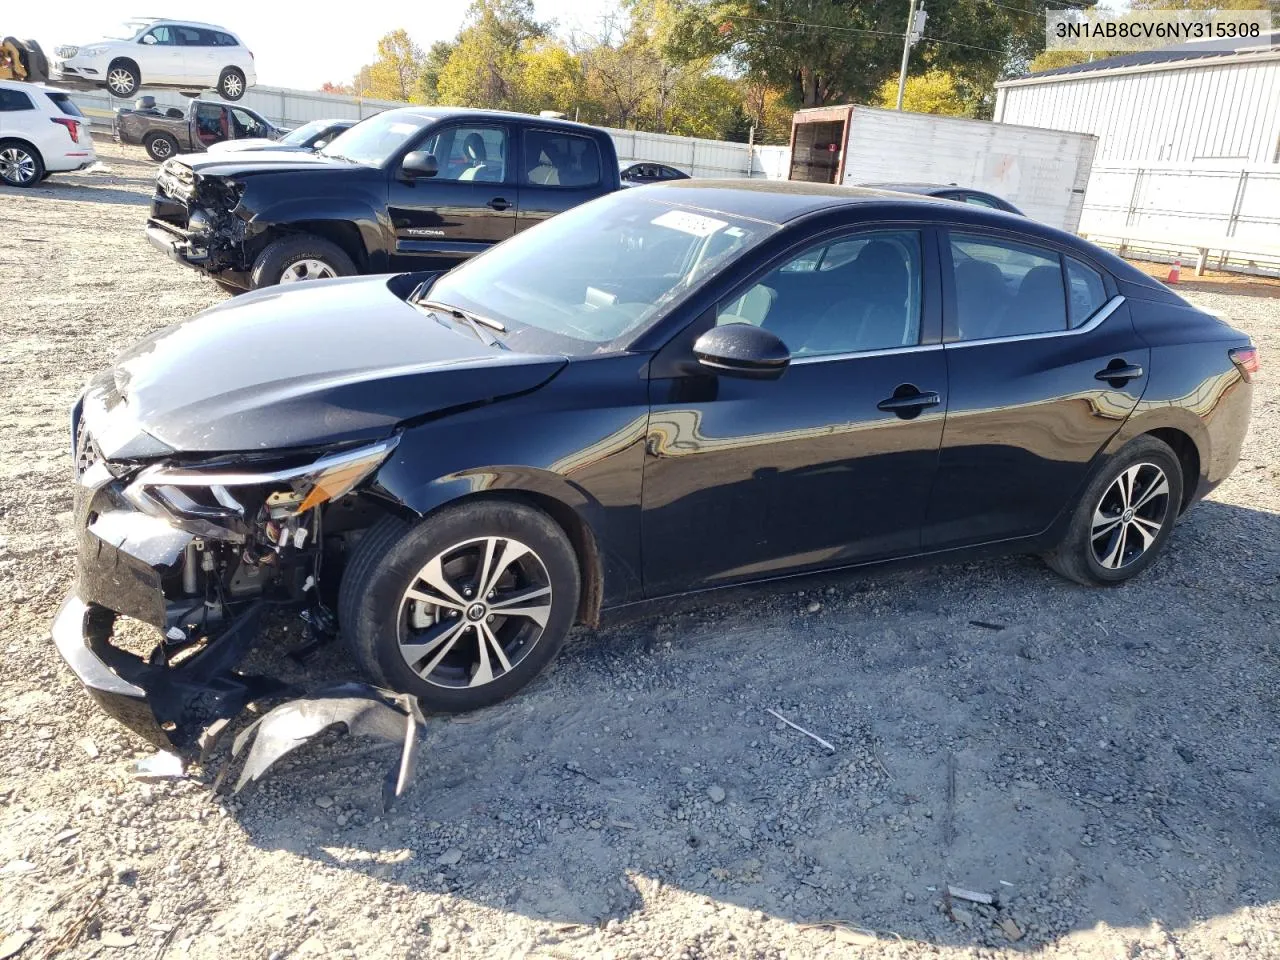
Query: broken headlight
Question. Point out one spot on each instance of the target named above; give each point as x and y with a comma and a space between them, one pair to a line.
223, 503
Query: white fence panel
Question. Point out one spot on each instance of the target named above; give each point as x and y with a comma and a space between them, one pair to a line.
1181, 201
696, 156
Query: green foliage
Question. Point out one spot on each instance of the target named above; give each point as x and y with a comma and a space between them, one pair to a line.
725, 69
934, 91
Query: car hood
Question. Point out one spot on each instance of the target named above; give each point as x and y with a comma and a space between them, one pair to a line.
323, 362
239, 163
249, 143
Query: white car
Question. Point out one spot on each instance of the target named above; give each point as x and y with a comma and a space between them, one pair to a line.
160, 53
41, 132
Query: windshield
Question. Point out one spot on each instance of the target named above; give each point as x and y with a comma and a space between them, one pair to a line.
299, 137
594, 276
373, 141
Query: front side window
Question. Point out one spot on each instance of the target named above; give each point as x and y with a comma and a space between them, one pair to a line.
1087, 291
590, 279
1005, 289
469, 153
247, 125
849, 295
188, 37
554, 159
162, 36
12, 101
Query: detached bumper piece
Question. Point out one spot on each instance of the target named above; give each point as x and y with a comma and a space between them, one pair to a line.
176, 244
360, 709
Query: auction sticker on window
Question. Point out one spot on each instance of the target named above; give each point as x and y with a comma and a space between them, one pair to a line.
694, 224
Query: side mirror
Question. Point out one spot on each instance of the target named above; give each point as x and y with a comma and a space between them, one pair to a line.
319, 144
149, 39
419, 164
742, 350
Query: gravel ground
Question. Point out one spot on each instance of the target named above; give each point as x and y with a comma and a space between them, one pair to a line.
1104, 763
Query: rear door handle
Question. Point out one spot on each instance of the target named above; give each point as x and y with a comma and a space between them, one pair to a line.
1119, 372
907, 401
500, 204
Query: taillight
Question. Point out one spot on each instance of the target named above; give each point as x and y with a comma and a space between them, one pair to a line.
73, 127
1246, 361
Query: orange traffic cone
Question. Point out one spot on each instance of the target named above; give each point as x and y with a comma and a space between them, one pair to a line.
1175, 273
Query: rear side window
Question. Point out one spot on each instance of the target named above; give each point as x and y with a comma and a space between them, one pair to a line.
14, 100
225, 40
560, 160
1087, 293
1006, 289
65, 104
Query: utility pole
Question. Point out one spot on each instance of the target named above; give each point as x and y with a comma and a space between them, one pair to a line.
915, 30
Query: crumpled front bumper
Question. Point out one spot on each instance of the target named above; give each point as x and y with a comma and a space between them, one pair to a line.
130, 565
174, 244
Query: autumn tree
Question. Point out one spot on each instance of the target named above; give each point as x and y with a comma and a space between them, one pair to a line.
429, 71
394, 75
484, 67
934, 91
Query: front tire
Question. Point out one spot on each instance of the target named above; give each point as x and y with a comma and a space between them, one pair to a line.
1124, 518
123, 79
463, 609
20, 164
160, 147
231, 83
299, 257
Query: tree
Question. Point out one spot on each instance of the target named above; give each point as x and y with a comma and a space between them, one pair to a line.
551, 78
429, 75
838, 51
483, 70
934, 91
345, 89
394, 75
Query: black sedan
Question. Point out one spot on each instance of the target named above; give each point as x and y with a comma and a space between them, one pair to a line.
646, 171
950, 191
668, 389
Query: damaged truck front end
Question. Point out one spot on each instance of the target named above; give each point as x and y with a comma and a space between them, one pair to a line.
184, 556
200, 222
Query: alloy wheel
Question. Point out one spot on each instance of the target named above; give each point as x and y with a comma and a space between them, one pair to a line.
160, 148
306, 270
17, 166
474, 611
120, 81
1130, 516
231, 86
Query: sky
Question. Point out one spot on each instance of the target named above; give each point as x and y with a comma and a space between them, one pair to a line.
294, 44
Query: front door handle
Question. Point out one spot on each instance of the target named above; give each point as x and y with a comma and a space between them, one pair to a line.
907, 401
500, 204
1118, 373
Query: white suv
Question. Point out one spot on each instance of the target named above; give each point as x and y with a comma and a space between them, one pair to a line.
41, 132
160, 53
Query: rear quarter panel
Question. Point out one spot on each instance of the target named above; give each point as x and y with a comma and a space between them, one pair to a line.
1192, 385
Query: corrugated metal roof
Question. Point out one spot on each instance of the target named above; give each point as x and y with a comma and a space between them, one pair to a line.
1178, 54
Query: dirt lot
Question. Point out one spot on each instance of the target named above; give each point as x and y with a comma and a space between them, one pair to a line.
1102, 762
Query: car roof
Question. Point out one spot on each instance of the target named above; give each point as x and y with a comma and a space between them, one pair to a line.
915, 187
26, 85
178, 22
444, 113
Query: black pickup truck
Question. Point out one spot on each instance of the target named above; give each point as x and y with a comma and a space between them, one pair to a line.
416, 188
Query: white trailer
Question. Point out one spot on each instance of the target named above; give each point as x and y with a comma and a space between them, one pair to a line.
1041, 172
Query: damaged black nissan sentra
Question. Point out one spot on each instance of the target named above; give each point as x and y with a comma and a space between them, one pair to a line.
669, 389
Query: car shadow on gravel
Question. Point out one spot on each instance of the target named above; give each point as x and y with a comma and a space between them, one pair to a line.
1082, 756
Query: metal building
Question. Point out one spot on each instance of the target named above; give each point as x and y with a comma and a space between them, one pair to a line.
1188, 158
1186, 104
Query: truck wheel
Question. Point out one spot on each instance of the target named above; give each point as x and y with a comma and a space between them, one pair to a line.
123, 78
231, 83
298, 257
20, 164
160, 147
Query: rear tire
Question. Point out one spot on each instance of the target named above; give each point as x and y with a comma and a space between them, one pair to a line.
390, 628
231, 83
300, 256
160, 147
1124, 517
20, 164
